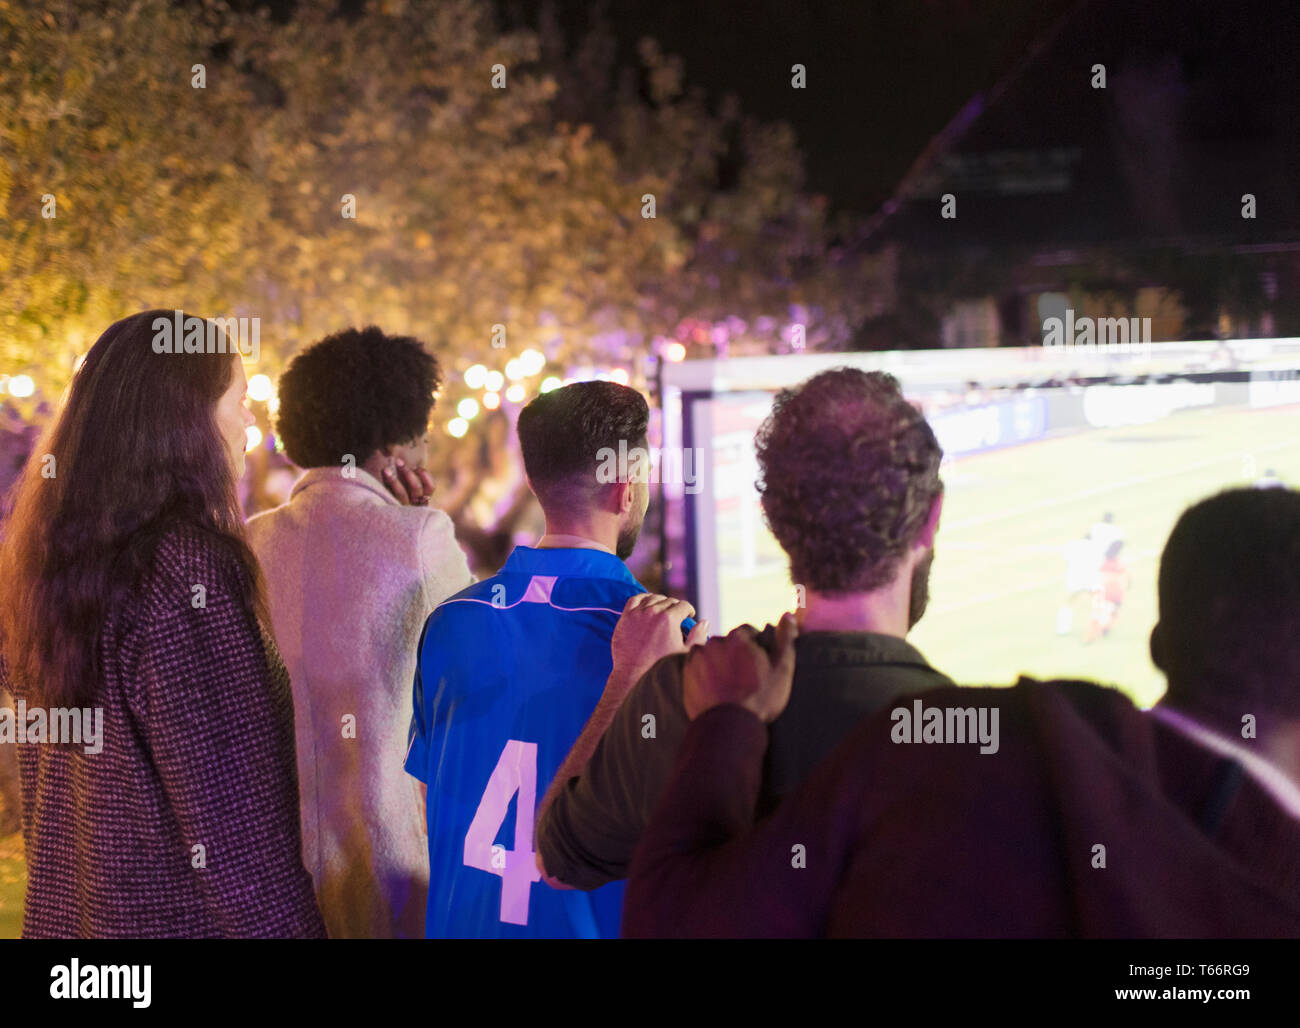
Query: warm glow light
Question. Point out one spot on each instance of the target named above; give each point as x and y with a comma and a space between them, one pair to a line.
475, 376
675, 352
514, 369
618, 375
515, 394
253, 437
491, 401
21, 385
457, 427
259, 388
467, 407
273, 404
532, 361
550, 383
494, 381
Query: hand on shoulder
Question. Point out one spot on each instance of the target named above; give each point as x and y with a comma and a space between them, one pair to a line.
650, 629
735, 668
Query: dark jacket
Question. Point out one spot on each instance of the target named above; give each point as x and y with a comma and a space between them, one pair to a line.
587, 836
1092, 819
186, 824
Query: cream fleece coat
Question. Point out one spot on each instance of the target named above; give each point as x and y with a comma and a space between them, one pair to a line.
351, 576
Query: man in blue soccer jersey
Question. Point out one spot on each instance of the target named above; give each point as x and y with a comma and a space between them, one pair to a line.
511, 668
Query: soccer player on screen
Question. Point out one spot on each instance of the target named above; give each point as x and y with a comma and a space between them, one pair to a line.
510, 669
1082, 576
1109, 595
1084, 558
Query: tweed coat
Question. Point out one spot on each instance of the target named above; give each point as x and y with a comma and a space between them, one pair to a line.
185, 823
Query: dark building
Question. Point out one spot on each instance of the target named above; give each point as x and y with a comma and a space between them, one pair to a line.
1140, 162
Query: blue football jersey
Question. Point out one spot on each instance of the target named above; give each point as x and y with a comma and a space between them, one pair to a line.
509, 671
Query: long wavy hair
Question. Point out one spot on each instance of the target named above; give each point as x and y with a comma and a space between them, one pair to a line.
134, 451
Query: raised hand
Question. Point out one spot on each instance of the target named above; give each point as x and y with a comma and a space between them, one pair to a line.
411, 486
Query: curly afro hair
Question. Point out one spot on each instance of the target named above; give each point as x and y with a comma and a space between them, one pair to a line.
848, 472
355, 392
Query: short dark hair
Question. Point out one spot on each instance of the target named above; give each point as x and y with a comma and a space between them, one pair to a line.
848, 472
1229, 592
561, 434
355, 392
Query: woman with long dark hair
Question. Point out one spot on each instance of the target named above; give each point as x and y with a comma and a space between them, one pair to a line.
127, 589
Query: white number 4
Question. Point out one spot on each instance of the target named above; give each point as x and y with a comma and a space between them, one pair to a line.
516, 771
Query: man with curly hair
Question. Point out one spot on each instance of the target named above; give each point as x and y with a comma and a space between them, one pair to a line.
1086, 817
354, 563
849, 477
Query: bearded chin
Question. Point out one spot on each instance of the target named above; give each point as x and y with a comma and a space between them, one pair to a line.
920, 593
627, 541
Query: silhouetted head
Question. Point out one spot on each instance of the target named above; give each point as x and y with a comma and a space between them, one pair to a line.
1228, 638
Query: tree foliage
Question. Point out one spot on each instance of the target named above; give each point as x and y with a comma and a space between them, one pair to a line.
475, 206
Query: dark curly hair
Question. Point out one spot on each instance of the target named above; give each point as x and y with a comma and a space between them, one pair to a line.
848, 472
355, 392
561, 434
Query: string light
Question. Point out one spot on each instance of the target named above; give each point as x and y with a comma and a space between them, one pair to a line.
531, 361
259, 388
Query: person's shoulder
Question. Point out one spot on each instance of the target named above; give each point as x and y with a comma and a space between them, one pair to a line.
260, 524
659, 690
468, 605
432, 520
1080, 693
187, 555
414, 527
436, 530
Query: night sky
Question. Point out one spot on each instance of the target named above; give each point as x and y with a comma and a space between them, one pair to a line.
883, 76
